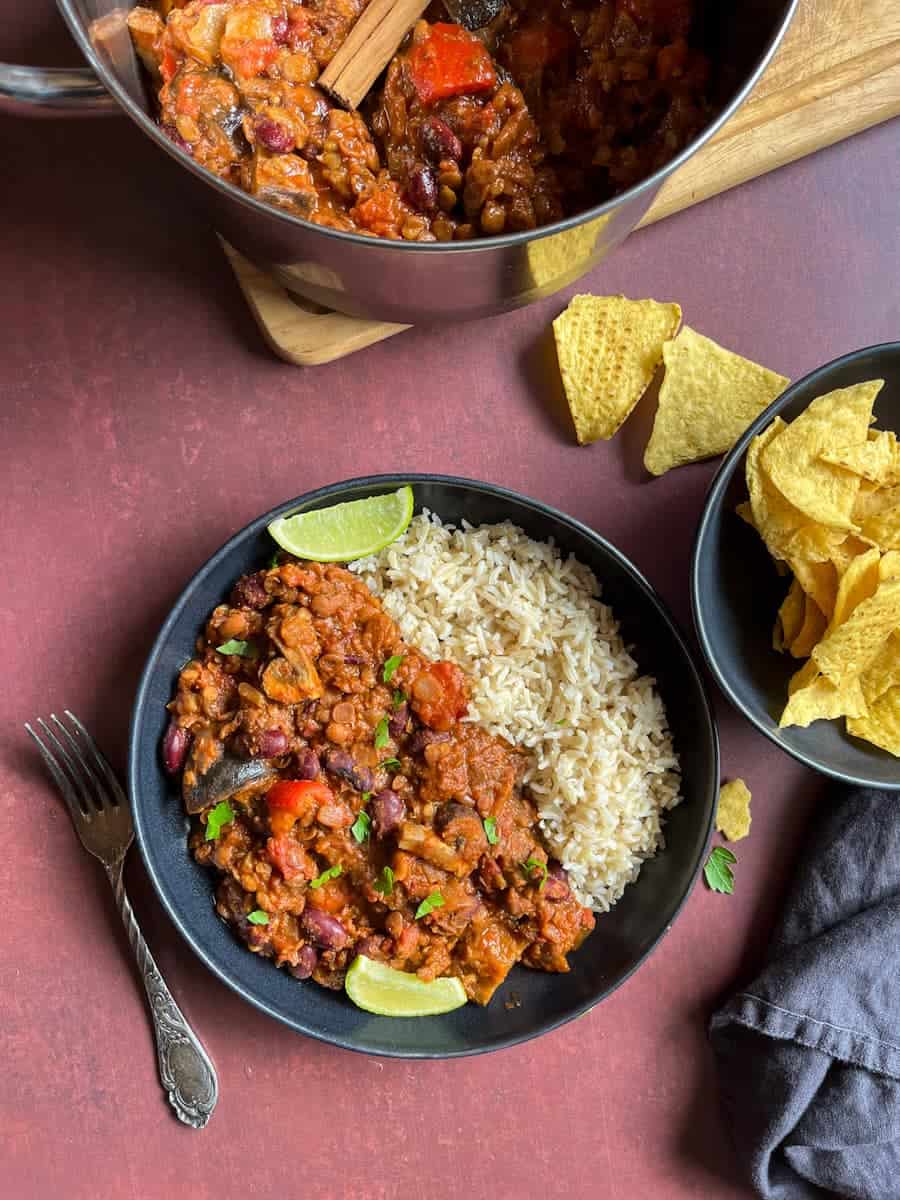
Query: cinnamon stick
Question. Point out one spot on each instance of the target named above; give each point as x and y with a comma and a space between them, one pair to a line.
368, 49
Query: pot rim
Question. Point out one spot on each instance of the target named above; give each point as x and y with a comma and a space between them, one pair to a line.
233, 192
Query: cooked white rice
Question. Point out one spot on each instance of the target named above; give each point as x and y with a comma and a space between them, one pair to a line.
550, 672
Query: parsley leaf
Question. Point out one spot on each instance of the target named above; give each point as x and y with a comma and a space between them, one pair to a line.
385, 884
360, 827
434, 900
331, 873
222, 814
490, 830
273, 561
399, 699
366, 797
718, 873
561, 721
532, 864
390, 764
381, 734
241, 649
258, 917
391, 666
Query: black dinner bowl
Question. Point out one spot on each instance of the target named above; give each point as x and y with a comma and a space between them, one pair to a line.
736, 592
622, 939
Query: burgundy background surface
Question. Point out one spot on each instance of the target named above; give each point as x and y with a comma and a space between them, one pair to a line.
143, 421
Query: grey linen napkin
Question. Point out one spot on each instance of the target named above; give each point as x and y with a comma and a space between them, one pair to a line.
809, 1055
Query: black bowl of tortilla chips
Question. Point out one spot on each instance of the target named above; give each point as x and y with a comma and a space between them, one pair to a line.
795, 578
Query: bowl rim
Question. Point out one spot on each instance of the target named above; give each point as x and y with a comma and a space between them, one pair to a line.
257, 525
714, 501
111, 82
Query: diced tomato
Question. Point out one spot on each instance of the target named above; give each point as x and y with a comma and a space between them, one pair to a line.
536, 46
255, 57
188, 100
290, 799
439, 695
450, 61
168, 65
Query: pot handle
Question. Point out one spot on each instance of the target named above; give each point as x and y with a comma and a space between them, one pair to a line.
53, 92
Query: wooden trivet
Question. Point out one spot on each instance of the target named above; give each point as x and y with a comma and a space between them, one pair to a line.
836, 73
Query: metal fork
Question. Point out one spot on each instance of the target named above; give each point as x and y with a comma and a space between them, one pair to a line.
99, 810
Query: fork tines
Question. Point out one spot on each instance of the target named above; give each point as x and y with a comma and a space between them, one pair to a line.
80, 771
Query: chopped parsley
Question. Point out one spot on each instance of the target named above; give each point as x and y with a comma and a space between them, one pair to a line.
366, 797
390, 764
222, 814
718, 873
241, 649
561, 721
391, 666
399, 699
385, 884
432, 901
532, 864
360, 827
273, 561
331, 873
258, 917
490, 830
381, 734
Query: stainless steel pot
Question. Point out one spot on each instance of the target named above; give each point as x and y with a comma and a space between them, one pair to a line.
393, 281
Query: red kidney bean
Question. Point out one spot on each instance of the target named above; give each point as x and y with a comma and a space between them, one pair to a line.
324, 929
556, 885
339, 763
249, 592
369, 946
422, 190
439, 141
174, 748
387, 810
307, 958
272, 743
425, 737
398, 720
280, 28
274, 136
307, 765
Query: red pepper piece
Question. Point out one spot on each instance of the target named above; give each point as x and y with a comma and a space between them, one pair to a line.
450, 61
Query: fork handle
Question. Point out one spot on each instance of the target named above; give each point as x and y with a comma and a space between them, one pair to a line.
185, 1070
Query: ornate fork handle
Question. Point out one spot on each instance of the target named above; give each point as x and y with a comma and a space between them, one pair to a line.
187, 1075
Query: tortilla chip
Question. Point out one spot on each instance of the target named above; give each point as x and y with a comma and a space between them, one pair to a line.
790, 616
882, 725
873, 460
814, 625
733, 812
859, 582
709, 396
818, 580
792, 459
775, 519
846, 551
819, 700
889, 567
884, 528
745, 511
608, 349
884, 672
851, 647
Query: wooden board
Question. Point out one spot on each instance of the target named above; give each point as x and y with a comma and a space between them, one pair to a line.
836, 73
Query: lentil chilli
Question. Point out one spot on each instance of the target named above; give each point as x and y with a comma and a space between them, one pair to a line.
557, 106
392, 828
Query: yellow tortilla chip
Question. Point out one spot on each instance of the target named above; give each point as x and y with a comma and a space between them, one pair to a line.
775, 519
882, 725
733, 812
790, 616
792, 459
708, 397
745, 511
889, 567
873, 460
608, 349
884, 528
849, 648
819, 700
818, 580
814, 625
884, 672
846, 551
858, 583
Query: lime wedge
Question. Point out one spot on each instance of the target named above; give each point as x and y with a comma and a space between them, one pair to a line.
380, 989
346, 531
